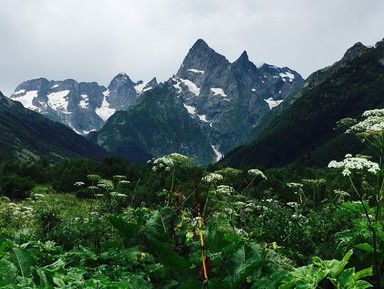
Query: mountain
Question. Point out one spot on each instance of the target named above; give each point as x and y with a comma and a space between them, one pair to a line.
158, 125
230, 98
82, 106
205, 110
27, 135
303, 129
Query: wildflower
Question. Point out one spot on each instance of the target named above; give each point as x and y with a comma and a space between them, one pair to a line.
257, 173
373, 122
79, 184
357, 163
212, 177
119, 177
341, 193
38, 195
294, 185
105, 184
119, 195
292, 204
170, 161
224, 190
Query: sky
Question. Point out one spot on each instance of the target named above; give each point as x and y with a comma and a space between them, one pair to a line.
93, 40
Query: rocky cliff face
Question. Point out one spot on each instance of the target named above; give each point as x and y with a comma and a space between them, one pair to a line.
229, 99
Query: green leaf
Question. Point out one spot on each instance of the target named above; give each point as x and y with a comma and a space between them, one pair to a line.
22, 261
176, 264
126, 230
8, 273
365, 247
367, 272
339, 266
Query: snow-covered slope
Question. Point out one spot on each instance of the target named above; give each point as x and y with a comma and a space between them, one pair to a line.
82, 106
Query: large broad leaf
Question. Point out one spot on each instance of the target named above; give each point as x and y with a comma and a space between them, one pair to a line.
348, 279
8, 273
238, 279
176, 264
128, 231
365, 247
22, 261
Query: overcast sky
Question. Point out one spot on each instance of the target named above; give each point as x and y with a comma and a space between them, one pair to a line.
92, 40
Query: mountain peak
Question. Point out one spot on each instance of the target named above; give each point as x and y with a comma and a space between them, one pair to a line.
121, 78
356, 50
201, 57
243, 59
199, 44
244, 55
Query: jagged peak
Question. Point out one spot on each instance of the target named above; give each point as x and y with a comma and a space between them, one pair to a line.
244, 56
243, 59
121, 78
200, 43
153, 81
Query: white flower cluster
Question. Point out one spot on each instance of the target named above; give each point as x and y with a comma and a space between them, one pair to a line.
105, 184
18, 210
118, 195
257, 173
294, 185
224, 190
373, 122
168, 162
212, 177
357, 163
373, 112
79, 184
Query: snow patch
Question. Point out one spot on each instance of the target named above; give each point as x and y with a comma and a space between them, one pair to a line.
196, 70
218, 154
104, 111
75, 130
88, 131
177, 85
202, 117
84, 101
287, 76
58, 100
140, 87
191, 109
218, 91
56, 85
253, 89
26, 99
272, 103
191, 86
106, 92
21, 91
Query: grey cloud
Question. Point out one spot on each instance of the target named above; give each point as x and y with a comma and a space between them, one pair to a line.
94, 39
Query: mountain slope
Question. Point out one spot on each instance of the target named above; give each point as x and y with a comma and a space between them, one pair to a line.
27, 135
158, 125
303, 131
